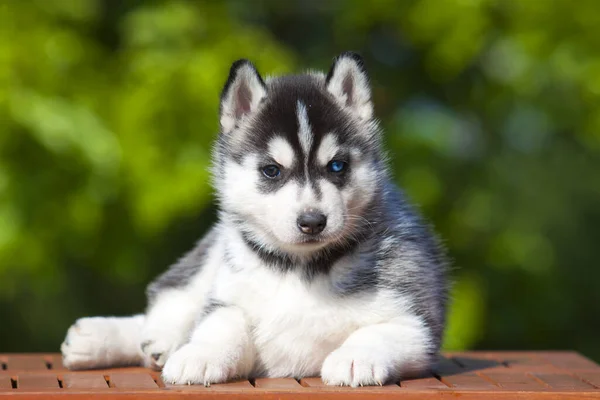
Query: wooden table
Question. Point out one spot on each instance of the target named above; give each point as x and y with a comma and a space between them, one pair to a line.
472, 375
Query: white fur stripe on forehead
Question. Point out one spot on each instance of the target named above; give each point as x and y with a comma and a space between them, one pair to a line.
327, 149
349, 84
304, 132
282, 152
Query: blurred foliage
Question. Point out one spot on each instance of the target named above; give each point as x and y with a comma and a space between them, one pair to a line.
492, 116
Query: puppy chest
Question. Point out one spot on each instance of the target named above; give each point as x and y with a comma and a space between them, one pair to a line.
295, 324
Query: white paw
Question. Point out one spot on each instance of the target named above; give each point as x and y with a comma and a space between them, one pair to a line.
357, 366
159, 344
87, 343
194, 364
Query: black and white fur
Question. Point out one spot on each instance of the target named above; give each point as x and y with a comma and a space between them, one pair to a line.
361, 302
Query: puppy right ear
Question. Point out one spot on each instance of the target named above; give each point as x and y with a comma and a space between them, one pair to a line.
241, 95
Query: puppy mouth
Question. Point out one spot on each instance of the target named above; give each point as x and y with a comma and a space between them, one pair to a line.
310, 241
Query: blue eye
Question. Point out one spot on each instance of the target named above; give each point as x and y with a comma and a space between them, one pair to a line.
337, 166
271, 171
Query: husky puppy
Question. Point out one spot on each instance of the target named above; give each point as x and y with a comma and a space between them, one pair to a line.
317, 265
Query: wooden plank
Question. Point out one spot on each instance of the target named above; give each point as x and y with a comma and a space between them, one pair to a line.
5, 383
239, 386
562, 381
24, 362
430, 383
316, 382
514, 380
55, 362
506, 375
568, 360
132, 381
277, 383
84, 381
447, 366
35, 381
528, 362
592, 377
468, 381
477, 363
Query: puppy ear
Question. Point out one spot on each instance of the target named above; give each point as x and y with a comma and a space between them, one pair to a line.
241, 95
348, 81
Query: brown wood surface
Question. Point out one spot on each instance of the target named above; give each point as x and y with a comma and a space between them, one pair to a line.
84, 381
277, 383
26, 362
471, 375
29, 382
5, 383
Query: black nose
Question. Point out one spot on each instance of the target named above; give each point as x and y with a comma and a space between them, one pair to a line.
312, 222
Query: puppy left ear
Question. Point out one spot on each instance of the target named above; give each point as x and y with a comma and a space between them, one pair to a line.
348, 81
241, 95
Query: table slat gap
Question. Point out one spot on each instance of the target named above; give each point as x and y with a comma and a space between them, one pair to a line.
537, 379
516, 380
591, 377
312, 382
35, 381
159, 382
277, 383
469, 381
550, 375
133, 381
487, 378
74, 381
563, 381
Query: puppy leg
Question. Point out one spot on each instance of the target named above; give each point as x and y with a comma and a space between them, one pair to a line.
220, 349
377, 354
169, 322
101, 342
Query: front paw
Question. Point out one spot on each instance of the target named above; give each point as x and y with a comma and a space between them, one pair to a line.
195, 364
87, 342
158, 345
357, 366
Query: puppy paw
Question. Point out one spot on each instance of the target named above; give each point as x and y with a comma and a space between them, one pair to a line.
357, 366
86, 343
158, 345
194, 364
160, 341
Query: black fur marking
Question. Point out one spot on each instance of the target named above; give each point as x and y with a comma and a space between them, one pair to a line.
211, 306
420, 258
270, 185
363, 277
324, 259
355, 57
179, 274
320, 262
233, 74
277, 117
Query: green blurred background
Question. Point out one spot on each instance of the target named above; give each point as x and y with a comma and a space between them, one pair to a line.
492, 117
